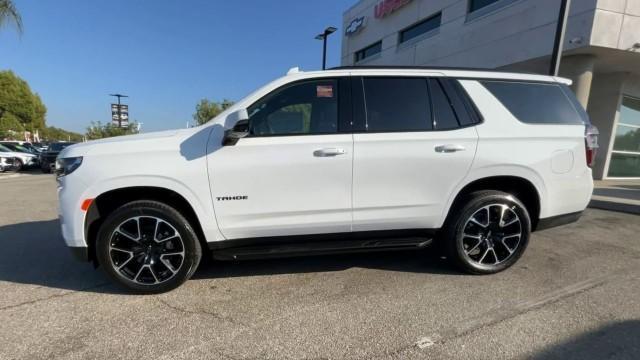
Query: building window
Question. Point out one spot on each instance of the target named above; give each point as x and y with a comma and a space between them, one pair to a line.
625, 156
475, 5
420, 28
369, 51
480, 8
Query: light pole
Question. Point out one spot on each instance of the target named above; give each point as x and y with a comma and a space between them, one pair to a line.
328, 31
119, 117
556, 56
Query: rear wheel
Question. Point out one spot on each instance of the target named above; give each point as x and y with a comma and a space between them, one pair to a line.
488, 233
148, 247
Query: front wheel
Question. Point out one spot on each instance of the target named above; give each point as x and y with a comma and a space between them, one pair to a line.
487, 233
18, 166
148, 247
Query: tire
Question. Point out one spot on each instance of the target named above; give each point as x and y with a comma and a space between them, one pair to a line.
19, 165
480, 237
45, 169
148, 247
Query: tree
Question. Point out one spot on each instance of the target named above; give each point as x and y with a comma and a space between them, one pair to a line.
51, 133
98, 131
10, 126
207, 110
9, 14
17, 100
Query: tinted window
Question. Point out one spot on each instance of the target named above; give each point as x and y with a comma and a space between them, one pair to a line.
468, 113
420, 28
58, 146
479, 4
304, 108
535, 103
368, 51
396, 104
444, 116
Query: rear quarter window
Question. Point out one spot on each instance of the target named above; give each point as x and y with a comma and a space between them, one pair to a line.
538, 103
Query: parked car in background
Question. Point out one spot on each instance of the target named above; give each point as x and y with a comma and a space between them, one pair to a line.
40, 146
21, 146
343, 160
24, 158
48, 157
8, 163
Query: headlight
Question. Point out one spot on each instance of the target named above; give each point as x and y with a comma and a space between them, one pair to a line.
66, 166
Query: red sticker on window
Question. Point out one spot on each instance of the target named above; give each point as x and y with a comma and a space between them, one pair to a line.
324, 91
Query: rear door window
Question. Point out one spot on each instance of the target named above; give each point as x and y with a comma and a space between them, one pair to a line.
536, 103
397, 104
444, 116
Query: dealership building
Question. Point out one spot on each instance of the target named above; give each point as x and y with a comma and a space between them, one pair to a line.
601, 53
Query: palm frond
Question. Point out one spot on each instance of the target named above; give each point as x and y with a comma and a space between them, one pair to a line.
9, 14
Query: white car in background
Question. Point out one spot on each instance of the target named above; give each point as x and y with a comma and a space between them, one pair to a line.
23, 159
344, 160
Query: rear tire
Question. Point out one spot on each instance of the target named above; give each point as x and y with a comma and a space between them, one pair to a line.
148, 247
487, 233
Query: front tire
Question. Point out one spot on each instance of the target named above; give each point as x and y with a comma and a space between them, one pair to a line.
148, 247
487, 233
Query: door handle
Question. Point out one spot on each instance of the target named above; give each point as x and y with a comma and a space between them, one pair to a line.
328, 152
449, 148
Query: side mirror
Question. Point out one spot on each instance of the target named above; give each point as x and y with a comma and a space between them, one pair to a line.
240, 130
235, 117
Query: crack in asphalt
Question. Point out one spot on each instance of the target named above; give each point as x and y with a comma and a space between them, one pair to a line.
199, 312
68, 292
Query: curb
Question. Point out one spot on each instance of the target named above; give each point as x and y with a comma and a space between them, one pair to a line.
11, 176
615, 206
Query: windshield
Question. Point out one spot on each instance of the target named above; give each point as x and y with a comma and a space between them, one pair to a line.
59, 146
18, 148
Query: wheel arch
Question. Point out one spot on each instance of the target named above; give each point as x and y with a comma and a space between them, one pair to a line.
110, 200
520, 187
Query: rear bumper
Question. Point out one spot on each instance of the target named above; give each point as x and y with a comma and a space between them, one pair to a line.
558, 220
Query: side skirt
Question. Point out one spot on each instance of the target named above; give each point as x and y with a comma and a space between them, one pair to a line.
322, 244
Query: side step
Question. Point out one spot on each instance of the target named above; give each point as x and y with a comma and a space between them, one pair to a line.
302, 248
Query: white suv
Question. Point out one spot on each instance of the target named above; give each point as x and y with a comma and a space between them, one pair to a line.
349, 159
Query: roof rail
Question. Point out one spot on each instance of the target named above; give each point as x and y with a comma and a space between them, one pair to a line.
405, 67
293, 70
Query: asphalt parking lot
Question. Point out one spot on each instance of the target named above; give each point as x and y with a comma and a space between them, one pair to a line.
574, 295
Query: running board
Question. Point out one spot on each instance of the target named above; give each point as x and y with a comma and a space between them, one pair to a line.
301, 248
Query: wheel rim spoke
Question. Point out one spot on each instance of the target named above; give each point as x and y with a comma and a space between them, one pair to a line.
153, 255
491, 246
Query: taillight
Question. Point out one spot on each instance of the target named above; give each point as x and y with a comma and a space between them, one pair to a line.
591, 144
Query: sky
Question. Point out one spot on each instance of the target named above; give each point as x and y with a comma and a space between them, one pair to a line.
165, 54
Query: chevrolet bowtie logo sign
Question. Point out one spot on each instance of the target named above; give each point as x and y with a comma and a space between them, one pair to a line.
355, 26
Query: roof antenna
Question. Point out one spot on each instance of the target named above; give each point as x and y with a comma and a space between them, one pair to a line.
293, 70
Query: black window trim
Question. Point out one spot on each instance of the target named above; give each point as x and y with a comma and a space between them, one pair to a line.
358, 85
297, 82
